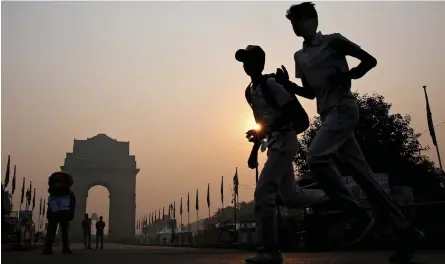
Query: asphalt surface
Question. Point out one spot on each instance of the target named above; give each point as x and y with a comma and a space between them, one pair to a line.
125, 254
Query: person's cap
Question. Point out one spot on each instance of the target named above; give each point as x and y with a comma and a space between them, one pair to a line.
250, 52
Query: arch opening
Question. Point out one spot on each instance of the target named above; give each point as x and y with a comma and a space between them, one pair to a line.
98, 204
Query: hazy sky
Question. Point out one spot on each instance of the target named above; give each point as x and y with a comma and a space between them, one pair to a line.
162, 75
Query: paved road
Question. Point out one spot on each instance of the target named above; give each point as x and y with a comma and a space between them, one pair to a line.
124, 254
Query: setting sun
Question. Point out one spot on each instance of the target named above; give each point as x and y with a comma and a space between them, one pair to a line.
257, 127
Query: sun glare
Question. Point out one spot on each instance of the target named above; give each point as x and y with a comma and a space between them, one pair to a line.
251, 124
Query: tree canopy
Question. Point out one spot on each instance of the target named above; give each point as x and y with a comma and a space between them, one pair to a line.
388, 142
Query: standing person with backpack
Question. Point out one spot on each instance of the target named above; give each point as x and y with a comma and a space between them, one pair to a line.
281, 117
60, 212
322, 66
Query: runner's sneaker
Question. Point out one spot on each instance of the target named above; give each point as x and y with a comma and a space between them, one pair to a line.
266, 258
406, 246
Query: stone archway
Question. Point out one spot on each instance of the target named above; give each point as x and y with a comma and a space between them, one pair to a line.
101, 205
101, 160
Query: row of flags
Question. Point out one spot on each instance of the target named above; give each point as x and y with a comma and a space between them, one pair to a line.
29, 196
156, 216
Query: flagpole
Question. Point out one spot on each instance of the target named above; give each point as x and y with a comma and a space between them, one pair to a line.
235, 197
222, 197
256, 173
431, 128
189, 228
438, 157
197, 221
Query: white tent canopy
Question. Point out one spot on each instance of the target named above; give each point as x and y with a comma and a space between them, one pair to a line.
167, 230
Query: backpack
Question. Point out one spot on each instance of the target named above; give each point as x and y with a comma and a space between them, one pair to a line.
60, 180
301, 119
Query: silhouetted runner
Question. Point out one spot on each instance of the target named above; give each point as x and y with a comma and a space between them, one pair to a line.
281, 117
322, 66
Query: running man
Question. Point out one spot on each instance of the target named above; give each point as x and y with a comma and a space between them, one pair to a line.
281, 117
322, 66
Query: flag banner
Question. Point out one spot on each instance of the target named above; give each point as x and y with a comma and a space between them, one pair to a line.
23, 192
34, 200
13, 180
197, 201
429, 117
188, 202
29, 194
208, 195
8, 165
222, 189
235, 182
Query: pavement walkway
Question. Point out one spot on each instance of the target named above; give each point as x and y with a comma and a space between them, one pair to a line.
127, 254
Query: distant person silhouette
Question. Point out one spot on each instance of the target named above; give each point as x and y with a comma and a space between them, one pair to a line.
281, 117
322, 66
100, 226
61, 207
86, 227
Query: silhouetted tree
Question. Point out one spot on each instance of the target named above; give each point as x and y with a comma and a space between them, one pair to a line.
387, 140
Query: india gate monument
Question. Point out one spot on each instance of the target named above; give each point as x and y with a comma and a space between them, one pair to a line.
104, 161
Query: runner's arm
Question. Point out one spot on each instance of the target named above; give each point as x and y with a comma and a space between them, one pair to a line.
303, 91
256, 146
349, 48
300, 91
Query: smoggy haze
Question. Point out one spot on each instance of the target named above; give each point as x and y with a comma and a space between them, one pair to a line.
162, 75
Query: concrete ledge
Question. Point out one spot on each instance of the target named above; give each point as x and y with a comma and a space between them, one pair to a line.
210, 246
7, 247
17, 247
